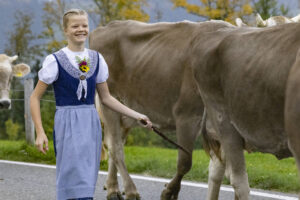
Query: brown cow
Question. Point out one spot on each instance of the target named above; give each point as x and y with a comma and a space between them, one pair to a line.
242, 75
7, 71
149, 71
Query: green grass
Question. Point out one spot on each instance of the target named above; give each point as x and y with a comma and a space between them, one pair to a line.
20, 151
264, 170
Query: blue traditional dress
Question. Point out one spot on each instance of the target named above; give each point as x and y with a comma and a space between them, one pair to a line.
77, 130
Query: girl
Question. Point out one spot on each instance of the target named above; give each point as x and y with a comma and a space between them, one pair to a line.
75, 72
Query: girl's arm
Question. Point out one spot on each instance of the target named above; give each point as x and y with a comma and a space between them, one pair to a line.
115, 105
41, 138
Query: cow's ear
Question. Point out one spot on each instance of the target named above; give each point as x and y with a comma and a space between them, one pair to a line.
13, 58
20, 70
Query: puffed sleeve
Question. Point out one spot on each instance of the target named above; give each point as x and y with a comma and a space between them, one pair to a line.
102, 75
49, 72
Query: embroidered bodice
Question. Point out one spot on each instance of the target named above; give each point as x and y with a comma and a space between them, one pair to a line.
74, 87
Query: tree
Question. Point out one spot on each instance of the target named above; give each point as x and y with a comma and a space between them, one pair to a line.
21, 39
268, 8
226, 10
52, 21
158, 12
20, 42
109, 10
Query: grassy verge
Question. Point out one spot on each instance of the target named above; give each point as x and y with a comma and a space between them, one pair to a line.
264, 170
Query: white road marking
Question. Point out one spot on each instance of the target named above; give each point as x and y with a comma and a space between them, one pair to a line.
163, 180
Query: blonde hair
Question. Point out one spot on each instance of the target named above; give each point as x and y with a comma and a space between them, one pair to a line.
72, 12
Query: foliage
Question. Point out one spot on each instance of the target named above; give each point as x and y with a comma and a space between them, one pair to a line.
109, 10
4, 116
12, 129
268, 8
52, 21
217, 9
21, 39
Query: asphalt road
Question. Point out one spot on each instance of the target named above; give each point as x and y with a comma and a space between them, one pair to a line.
26, 181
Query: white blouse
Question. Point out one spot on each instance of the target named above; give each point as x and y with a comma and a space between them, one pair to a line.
49, 72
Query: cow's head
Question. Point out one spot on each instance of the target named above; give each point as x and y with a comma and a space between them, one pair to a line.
274, 21
7, 71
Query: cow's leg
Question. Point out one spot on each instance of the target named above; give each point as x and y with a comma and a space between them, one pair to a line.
292, 112
295, 148
217, 159
215, 177
233, 146
187, 131
112, 185
115, 137
187, 113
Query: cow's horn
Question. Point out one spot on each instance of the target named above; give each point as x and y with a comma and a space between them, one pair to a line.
259, 21
13, 58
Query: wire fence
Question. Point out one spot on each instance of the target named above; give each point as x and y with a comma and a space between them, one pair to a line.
45, 100
18, 90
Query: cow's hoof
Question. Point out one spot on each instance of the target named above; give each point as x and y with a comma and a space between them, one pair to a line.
115, 196
137, 197
167, 195
104, 187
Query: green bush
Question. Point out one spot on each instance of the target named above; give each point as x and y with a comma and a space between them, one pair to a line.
12, 129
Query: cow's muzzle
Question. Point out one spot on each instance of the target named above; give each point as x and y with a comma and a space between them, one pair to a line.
5, 104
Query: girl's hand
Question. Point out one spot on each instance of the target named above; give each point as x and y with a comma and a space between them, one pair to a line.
41, 143
145, 121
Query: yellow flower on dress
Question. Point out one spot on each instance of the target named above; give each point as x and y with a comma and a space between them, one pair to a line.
83, 64
84, 68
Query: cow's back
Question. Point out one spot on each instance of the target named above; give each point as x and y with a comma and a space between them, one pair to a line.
148, 64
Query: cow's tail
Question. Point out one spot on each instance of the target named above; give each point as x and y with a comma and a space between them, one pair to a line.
210, 145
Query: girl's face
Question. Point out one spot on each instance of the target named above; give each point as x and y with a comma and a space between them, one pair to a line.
77, 29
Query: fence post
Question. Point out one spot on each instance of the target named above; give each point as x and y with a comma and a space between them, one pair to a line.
29, 127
